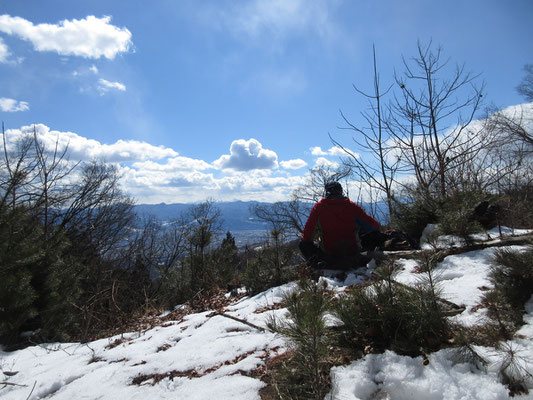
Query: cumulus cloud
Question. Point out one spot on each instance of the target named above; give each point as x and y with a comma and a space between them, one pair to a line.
160, 181
337, 151
322, 162
11, 105
155, 185
194, 179
81, 148
247, 155
4, 52
293, 164
154, 174
253, 184
105, 86
173, 164
185, 187
90, 37
317, 151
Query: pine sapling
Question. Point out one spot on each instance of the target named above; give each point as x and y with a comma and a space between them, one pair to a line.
306, 330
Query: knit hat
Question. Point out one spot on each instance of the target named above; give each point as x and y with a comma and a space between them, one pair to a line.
333, 189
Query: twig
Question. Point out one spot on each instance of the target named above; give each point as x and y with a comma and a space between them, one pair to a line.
12, 384
240, 320
195, 296
32, 389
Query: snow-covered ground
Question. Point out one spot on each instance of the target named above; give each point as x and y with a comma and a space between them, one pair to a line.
391, 376
204, 357
209, 356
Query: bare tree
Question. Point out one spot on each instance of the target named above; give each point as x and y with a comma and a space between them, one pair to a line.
288, 217
52, 169
430, 117
514, 125
512, 134
98, 222
375, 167
17, 171
99, 213
313, 188
158, 249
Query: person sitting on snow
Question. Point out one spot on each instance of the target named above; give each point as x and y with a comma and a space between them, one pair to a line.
336, 223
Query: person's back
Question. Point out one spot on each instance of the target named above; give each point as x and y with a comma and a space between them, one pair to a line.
336, 221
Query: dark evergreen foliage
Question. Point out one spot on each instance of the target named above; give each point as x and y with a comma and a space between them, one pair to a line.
306, 374
456, 215
19, 252
512, 277
413, 216
389, 315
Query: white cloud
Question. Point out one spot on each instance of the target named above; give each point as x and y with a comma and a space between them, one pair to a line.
332, 151
173, 164
155, 174
337, 151
171, 186
317, 151
105, 86
293, 164
159, 182
322, 162
11, 105
84, 71
246, 155
81, 148
252, 184
91, 37
4, 52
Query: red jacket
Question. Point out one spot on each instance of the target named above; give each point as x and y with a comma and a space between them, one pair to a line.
338, 222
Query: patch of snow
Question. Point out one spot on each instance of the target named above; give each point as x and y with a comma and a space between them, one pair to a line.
429, 231
331, 320
391, 376
527, 329
358, 277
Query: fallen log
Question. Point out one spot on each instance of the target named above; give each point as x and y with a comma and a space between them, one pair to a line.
506, 241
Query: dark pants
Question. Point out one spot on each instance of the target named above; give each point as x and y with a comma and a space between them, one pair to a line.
316, 258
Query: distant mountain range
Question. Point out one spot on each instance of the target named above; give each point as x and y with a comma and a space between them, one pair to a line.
236, 215
236, 218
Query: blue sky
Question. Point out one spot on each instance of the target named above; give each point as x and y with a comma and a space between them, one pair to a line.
175, 91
